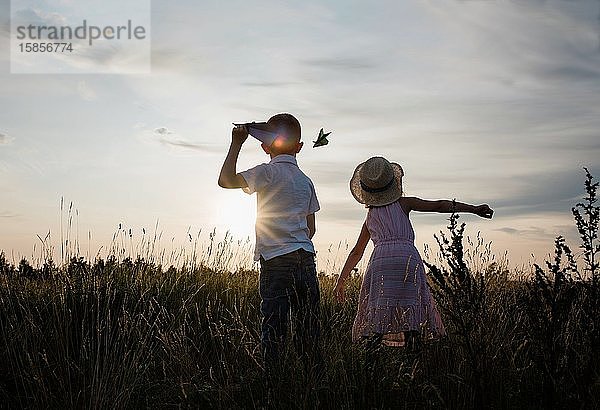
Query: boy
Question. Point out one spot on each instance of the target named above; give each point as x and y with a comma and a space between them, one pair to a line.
285, 225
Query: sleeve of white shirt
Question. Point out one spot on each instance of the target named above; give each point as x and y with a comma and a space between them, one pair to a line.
257, 178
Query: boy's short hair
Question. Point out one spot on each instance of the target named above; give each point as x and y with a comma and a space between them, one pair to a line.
287, 126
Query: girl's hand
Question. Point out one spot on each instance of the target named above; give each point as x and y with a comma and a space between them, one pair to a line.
484, 211
339, 292
239, 134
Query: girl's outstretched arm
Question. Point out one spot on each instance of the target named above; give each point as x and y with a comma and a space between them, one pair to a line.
354, 257
445, 206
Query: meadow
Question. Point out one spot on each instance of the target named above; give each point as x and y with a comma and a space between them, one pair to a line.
136, 332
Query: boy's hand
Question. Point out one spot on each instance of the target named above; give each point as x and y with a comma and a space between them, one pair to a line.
484, 211
239, 134
229, 178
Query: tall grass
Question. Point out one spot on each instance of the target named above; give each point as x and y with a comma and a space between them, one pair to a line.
131, 331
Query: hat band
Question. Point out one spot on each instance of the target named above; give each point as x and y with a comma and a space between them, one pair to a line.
376, 190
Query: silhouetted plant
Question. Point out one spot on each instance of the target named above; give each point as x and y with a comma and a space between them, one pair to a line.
563, 312
48, 269
587, 219
461, 297
6, 269
587, 226
550, 309
26, 270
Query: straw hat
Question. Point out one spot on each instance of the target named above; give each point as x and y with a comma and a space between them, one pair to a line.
377, 182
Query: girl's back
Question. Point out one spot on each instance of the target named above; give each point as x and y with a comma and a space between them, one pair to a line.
389, 223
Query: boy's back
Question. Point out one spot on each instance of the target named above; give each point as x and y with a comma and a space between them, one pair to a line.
285, 197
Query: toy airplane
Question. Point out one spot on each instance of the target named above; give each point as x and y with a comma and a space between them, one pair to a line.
259, 130
321, 139
263, 132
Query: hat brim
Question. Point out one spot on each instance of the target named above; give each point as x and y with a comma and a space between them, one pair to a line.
390, 195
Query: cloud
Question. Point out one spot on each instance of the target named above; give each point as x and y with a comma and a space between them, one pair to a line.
162, 131
330, 173
511, 231
549, 192
6, 214
178, 60
533, 231
544, 234
192, 146
570, 73
5, 139
37, 17
543, 46
266, 84
5, 26
85, 91
341, 212
169, 138
106, 57
341, 63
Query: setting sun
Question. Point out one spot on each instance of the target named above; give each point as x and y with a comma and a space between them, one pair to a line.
236, 213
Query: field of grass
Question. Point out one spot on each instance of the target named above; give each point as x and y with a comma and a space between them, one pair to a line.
131, 333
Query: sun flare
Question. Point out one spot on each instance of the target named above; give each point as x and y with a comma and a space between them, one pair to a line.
237, 214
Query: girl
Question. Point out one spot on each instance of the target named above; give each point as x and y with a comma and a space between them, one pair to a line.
395, 304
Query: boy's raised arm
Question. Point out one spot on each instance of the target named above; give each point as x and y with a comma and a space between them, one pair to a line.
229, 178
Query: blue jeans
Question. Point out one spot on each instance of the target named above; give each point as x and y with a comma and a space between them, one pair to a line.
289, 287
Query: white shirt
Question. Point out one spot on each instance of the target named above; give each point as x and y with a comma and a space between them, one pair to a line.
285, 196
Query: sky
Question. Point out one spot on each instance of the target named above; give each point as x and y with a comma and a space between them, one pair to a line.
493, 102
